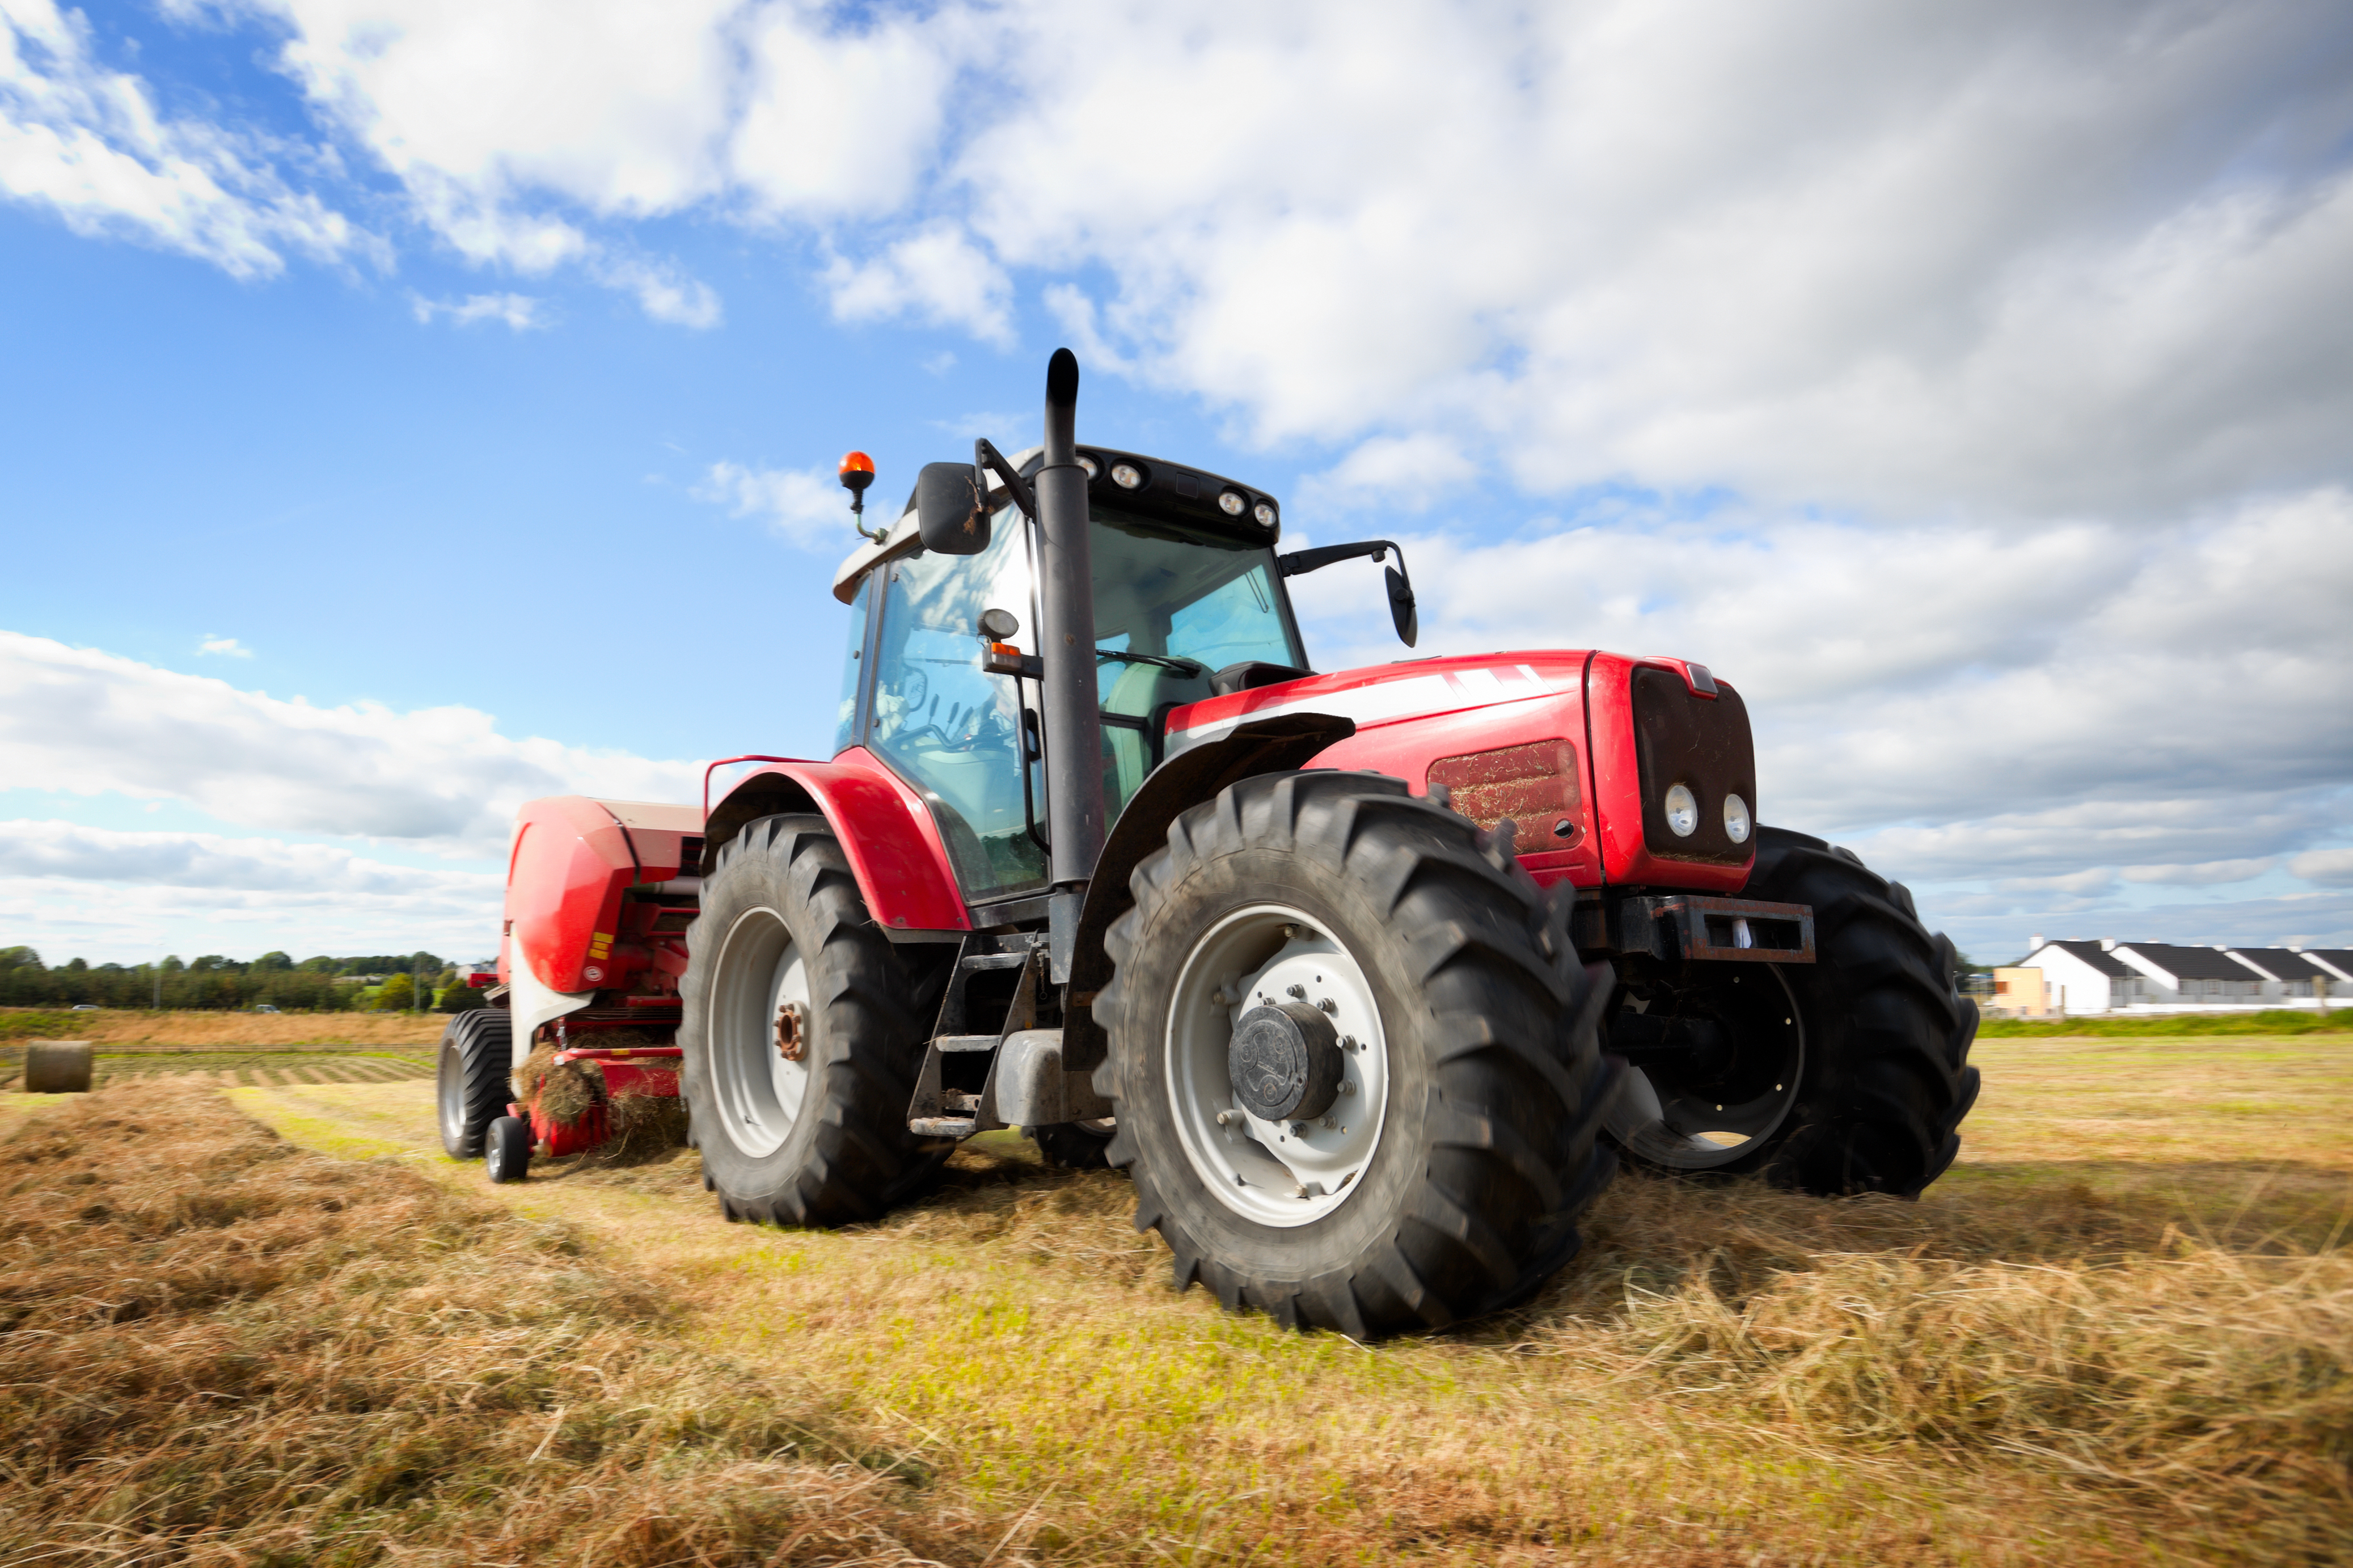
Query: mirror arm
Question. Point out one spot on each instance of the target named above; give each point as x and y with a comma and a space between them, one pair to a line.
1301, 562
988, 459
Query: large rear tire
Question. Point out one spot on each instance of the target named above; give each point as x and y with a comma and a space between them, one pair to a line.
817, 1136
1876, 1053
1441, 1175
471, 1089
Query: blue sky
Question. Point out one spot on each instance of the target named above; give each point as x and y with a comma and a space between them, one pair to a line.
1967, 384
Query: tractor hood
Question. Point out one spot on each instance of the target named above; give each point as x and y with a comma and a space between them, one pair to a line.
1577, 748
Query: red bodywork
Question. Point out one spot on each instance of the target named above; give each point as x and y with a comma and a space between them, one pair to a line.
1543, 737
906, 875
569, 913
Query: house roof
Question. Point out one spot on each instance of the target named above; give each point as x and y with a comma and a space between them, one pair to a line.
2192, 962
2339, 959
2281, 964
2100, 960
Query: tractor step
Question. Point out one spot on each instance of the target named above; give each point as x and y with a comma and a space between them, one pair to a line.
965, 1042
958, 1127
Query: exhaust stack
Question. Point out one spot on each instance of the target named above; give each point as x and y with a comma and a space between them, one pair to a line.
1066, 644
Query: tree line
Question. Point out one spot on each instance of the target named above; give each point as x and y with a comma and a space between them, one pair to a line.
367, 982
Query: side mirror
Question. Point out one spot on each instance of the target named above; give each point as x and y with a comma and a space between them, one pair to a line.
1401, 610
951, 509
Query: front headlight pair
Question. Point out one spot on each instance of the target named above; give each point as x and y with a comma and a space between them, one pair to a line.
1682, 814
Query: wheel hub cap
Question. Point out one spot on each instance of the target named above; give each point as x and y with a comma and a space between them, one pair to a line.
1285, 1061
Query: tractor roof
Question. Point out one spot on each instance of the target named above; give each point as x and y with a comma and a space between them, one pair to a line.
1169, 492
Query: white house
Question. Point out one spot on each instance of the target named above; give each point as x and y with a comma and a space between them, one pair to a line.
2087, 977
2290, 973
2338, 961
2195, 974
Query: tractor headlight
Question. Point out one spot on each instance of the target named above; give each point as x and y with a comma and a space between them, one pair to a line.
1265, 514
1089, 465
1126, 476
1230, 504
1735, 819
1682, 811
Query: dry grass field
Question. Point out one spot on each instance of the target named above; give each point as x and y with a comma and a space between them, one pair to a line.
2120, 1332
219, 1030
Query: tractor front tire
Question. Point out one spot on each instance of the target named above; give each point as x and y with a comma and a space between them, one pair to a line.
1886, 1079
801, 1037
1440, 1174
471, 1087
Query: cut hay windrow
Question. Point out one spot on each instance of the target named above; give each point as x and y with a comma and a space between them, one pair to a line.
216, 1348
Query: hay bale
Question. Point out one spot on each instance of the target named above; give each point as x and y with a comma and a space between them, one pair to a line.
57, 1067
646, 1125
565, 1093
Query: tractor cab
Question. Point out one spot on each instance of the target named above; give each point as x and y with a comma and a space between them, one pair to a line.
1188, 603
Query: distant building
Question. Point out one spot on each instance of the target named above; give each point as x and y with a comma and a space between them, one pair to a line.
2194, 974
2289, 973
2338, 961
2089, 977
2058, 978
2018, 991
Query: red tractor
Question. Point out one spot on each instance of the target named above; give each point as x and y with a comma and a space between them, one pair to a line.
1366, 978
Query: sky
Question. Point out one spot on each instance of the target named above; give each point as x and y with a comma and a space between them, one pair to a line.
410, 407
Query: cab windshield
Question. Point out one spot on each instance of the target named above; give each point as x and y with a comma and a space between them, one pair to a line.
1172, 605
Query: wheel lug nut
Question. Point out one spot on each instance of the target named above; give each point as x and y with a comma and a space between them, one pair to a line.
1296, 993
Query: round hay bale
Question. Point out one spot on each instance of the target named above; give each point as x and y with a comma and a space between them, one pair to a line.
57, 1066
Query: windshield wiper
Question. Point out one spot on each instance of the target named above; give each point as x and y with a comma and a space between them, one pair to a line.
1181, 665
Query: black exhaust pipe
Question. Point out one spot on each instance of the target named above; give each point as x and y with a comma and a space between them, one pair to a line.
1066, 644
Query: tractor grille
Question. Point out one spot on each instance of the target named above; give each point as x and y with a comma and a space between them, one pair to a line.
1681, 738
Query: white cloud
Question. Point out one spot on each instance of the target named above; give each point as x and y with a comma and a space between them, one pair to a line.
2201, 874
2333, 868
225, 647
663, 293
71, 890
75, 853
1392, 473
1986, 260
90, 145
88, 722
479, 107
842, 120
936, 275
807, 506
520, 312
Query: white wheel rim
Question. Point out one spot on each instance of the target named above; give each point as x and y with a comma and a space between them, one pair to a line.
1275, 1172
759, 1093
451, 1089
1693, 1135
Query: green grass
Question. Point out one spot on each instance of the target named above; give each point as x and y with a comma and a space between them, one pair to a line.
2272, 1021
248, 1065
15, 1024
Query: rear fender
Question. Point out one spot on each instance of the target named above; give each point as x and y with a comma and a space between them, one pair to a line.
893, 847
1271, 745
